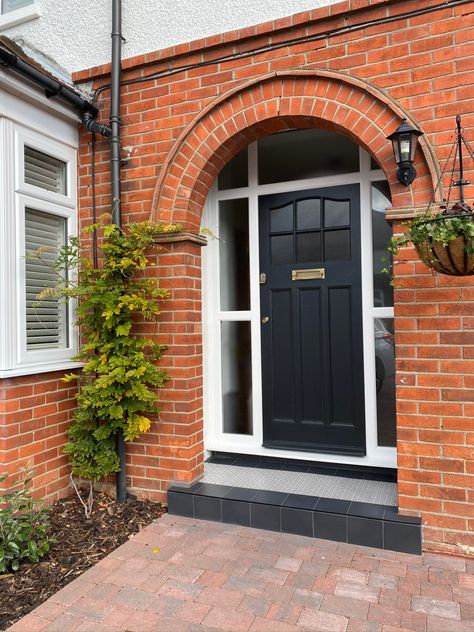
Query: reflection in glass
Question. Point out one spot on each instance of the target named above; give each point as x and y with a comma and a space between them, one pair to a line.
281, 219
234, 255
305, 153
308, 247
235, 173
381, 233
374, 165
236, 377
337, 245
308, 214
281, 249
385, 381
337, 213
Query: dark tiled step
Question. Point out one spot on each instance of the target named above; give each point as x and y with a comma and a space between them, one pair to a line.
378, 526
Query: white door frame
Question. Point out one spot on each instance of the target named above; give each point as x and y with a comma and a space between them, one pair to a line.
214, 438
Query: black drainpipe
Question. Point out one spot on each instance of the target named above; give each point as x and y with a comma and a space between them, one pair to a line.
115, 76
53, 88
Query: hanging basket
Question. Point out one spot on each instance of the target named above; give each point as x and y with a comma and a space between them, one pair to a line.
454, 255
451, 259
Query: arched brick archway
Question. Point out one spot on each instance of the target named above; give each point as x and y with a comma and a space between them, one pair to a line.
279, 101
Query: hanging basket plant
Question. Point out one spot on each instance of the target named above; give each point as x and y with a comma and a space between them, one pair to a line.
444, 240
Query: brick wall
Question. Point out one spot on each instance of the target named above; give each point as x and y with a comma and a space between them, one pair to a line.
435, 402
35, 412
180, 129
173, 449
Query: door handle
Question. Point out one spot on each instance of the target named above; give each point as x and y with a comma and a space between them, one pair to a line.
265, 320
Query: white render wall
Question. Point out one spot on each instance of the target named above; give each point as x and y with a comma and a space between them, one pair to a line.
76, 33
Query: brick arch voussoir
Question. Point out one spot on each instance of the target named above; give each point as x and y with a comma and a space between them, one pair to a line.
278, 101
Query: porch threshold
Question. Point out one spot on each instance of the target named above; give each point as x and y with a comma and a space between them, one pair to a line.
232, 497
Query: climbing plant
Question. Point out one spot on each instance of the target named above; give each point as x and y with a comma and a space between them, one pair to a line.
119, 378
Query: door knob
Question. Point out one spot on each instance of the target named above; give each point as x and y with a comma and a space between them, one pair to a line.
265, 320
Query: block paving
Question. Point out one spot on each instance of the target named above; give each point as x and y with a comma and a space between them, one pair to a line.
181, 574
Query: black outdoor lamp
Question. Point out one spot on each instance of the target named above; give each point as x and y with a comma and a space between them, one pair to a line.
404, 141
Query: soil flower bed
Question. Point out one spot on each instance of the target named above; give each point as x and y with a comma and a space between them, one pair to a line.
79, 544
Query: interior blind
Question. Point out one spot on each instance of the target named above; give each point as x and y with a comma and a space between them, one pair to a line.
11, 5
45, 171
46, 319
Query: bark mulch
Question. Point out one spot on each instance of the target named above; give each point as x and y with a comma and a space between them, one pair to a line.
80, 543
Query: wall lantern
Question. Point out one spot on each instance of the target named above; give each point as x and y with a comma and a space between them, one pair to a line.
404, 141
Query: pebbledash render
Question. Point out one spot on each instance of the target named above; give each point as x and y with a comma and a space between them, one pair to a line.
346, 74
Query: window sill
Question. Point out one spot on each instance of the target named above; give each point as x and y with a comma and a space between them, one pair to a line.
13, 18
48, 367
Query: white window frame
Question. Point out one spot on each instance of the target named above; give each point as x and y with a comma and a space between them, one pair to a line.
214, 437
18, 16
28, 138
15, 358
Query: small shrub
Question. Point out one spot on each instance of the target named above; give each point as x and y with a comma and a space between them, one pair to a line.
24, 525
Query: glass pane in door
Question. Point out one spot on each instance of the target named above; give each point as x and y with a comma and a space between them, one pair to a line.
234, 255
337, 245
236, 377
381, 233
385, 381
308, 214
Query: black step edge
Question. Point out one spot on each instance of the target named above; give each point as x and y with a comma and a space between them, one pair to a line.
366, 524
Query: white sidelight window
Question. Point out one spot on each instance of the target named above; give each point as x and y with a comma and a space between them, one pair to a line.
38, 181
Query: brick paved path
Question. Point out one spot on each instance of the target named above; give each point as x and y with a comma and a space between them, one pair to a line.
182, 574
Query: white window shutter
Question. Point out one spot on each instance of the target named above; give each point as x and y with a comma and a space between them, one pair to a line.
45, 171
46, 319
12, 5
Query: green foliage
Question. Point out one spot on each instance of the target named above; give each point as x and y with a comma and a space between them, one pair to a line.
441, 228
24, 525
119, 379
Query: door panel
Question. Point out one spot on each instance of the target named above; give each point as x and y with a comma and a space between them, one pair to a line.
281, 369
312, 353
311, 380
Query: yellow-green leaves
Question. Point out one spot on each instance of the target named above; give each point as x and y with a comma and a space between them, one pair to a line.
120, 379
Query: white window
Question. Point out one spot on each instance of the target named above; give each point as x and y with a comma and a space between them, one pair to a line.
39, 184
13, 5
13, 12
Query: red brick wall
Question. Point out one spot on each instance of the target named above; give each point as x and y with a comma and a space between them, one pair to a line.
435, 402
173, 449
35, 412
420, 63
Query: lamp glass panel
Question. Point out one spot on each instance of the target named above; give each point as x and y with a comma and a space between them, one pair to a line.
414, 143
405, 150
396, 150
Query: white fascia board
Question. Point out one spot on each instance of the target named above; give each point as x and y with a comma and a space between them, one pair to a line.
22, 90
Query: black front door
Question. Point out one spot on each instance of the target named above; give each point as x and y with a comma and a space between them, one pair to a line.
311, 309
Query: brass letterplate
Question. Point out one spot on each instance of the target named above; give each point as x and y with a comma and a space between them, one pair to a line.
306, 275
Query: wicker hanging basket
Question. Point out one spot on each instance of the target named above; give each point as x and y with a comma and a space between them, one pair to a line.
451, 259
